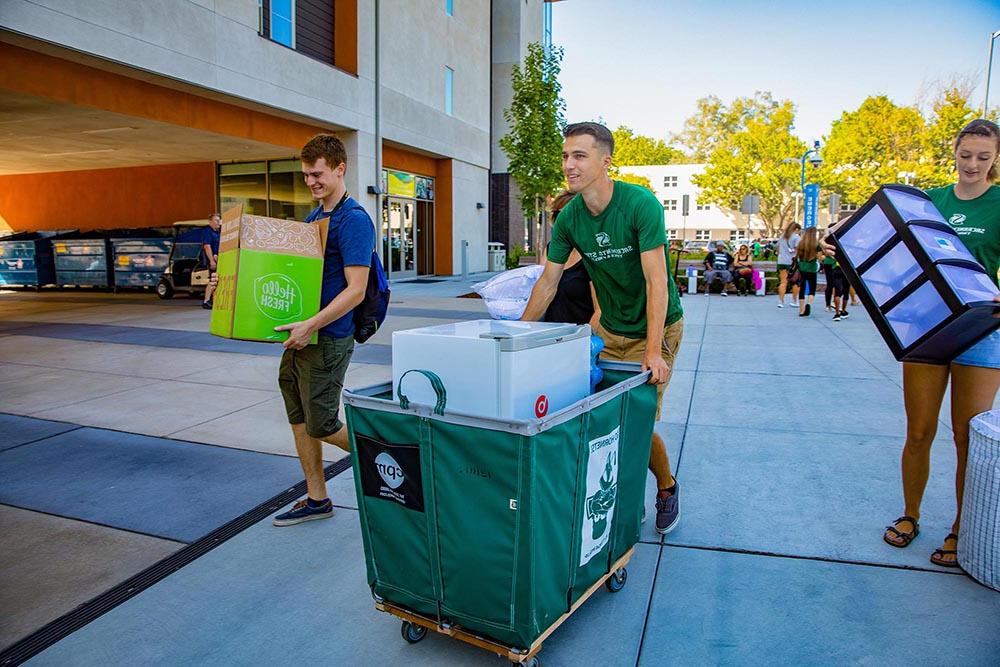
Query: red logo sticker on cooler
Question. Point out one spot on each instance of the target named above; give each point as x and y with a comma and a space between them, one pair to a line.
541, 406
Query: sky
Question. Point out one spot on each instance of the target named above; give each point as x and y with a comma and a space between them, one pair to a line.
644, 63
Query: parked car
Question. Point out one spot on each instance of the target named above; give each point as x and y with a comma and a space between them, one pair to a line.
695, 246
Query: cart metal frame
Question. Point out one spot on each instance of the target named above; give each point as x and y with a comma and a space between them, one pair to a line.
415, 626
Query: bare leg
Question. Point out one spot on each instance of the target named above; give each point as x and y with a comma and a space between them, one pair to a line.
311, 459
782, 285
923, 391
973, 390
339, 439
659, 463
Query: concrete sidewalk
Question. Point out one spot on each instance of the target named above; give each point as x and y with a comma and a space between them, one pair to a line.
784, 432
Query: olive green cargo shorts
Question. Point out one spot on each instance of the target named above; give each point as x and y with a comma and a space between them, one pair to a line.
311, 380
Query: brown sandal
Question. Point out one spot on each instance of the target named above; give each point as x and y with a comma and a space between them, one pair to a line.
906, 537
938, 557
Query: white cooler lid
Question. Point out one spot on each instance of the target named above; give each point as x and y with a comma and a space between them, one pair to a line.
510, 334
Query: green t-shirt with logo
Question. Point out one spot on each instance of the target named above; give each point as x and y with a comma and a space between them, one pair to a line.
610, 244
976, 221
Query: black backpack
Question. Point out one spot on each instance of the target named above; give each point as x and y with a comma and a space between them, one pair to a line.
370, 313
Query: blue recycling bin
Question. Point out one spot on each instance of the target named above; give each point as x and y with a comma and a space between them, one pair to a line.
140, 261
26, 259
926, 293
83, 259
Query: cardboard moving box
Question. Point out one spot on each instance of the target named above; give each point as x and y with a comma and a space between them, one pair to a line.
270, 273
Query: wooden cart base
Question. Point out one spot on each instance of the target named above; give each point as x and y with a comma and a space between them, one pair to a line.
415, 626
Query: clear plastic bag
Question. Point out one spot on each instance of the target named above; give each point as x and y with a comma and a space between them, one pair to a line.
506, 294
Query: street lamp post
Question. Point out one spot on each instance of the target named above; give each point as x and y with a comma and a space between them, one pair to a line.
989, 70
816, 160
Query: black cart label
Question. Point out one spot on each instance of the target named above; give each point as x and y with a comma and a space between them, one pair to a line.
391, 472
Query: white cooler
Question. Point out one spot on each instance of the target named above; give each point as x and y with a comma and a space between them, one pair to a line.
492, 368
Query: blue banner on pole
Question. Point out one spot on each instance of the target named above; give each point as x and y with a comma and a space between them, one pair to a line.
811, 205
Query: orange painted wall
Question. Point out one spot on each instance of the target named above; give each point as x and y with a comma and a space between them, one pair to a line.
46, 76
151, 196
443, 210
397, 158
345, 35
440, 171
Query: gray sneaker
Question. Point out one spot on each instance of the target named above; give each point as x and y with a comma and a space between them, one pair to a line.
668, 510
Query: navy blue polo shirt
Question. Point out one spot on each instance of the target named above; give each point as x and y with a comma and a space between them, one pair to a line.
210, 237
350, 241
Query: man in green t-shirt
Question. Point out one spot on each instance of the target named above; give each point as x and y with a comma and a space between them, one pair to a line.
618, 230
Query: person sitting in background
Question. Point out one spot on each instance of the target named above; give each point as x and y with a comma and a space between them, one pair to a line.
717, 265
743, 270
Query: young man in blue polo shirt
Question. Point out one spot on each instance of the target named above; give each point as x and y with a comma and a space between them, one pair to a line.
311, 377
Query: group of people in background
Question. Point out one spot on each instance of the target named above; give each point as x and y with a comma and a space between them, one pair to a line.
800, 256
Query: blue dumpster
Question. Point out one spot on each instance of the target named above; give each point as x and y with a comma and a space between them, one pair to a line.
26, 259
139, 262
83, 259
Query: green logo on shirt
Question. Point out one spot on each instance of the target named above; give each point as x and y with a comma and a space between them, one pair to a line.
957, 219
603, 240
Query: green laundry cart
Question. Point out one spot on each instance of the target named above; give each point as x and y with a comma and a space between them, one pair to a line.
494, 531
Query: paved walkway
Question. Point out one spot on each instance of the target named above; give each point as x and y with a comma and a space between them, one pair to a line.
784, 433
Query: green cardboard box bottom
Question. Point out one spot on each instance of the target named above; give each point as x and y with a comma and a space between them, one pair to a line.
270, 273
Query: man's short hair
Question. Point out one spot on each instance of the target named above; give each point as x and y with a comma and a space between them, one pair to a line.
325, 146
602, 135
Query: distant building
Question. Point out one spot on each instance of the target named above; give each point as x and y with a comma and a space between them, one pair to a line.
705, 221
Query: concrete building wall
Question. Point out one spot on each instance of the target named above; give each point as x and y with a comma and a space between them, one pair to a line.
471, 223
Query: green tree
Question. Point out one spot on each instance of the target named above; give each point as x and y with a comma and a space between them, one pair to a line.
535, 116
951, 112
714, 122
754, 160
637, 149
878, 143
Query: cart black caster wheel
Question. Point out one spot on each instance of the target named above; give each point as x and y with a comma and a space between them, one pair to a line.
616, 581
412, 632
533, 662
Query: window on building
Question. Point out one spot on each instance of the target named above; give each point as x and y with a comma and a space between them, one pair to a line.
288, 196
273, 188
737, 237
702, 234
670, 181
449, 83
670, 204
848, 208
283, 22
671, 234
701, 207
244, 183
449, 7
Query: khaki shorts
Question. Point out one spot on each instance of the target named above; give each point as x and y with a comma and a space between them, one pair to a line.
621, 348
311, 380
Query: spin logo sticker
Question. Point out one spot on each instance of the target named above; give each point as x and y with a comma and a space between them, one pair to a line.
390, 472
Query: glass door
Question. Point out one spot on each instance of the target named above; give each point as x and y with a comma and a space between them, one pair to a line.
399, 242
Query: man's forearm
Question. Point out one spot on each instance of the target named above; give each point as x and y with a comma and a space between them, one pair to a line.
538, 303
341, 305
656, 312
